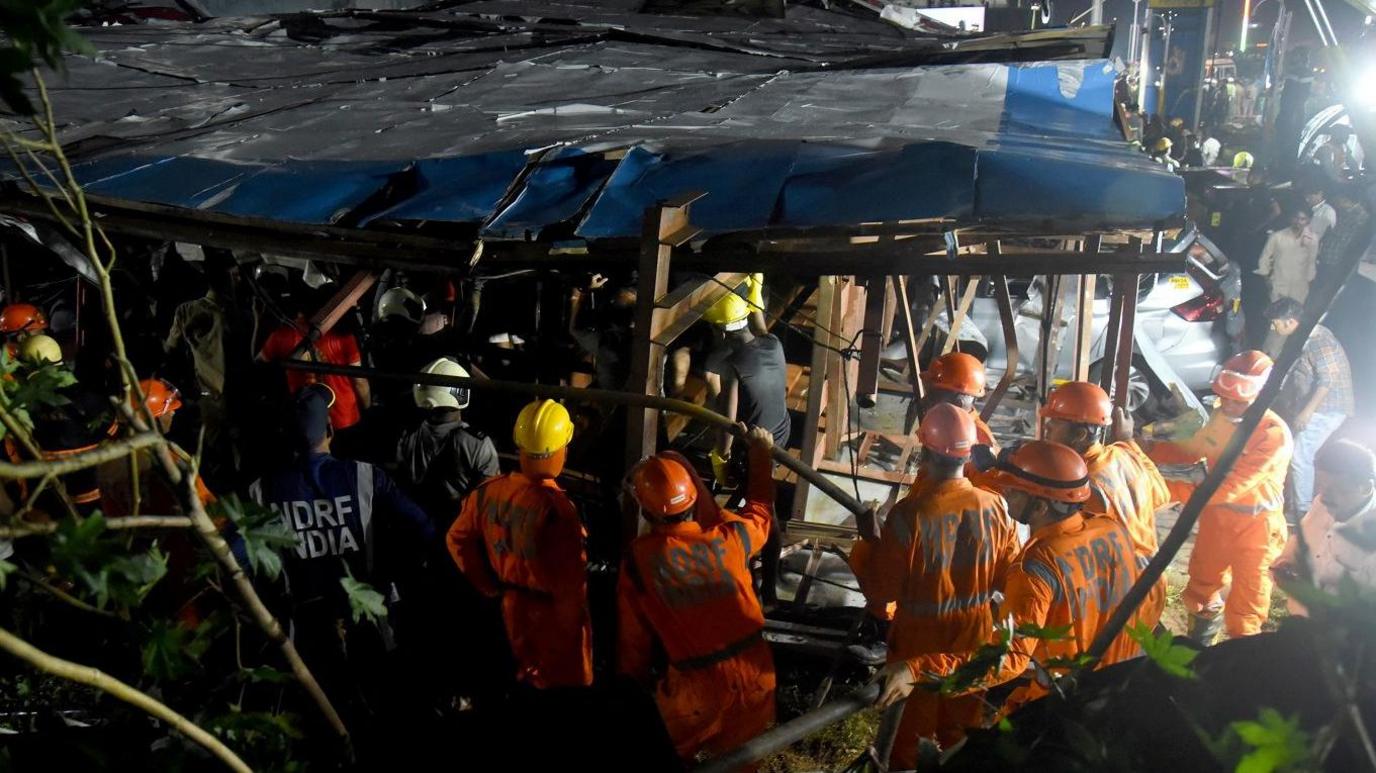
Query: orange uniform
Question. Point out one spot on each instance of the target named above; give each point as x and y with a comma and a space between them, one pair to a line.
1071, 573
945, 549
687, 586
521, 538
1242, 529
1128, 487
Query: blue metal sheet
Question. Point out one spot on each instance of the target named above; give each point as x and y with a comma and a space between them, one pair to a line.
465, 189
841, 186
556, 191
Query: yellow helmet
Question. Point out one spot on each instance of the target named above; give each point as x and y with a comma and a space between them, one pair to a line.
732, 310
40, 349
1162, 145
543, 428
1243, 160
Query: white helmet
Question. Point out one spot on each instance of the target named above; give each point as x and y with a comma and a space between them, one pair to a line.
400, 302
427, 396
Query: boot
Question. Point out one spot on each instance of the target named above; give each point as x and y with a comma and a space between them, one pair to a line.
1205, 629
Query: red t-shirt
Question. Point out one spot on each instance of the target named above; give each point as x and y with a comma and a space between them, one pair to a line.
333, 348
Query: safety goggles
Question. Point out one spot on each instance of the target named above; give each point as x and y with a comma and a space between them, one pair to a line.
1244, 386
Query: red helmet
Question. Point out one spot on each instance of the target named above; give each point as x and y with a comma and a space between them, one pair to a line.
22, 318
956, 372
663, 487
1243, 376
161, 397
947, 430
1043, 469
1080, 402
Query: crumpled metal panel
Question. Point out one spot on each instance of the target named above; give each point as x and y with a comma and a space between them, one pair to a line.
516, 116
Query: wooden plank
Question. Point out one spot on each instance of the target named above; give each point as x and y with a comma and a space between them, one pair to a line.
838, 399
678, 310
1084, 310
871, 342
816, 387
966, 298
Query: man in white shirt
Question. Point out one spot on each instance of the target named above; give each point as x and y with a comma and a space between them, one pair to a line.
1290, 259
1337, 537
1210, 149
1322, 215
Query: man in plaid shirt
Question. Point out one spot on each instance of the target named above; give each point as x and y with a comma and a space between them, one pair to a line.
1316, 398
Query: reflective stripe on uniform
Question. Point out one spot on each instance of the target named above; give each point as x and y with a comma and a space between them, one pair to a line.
745, 539
365, 507
949, 606
903, 530
1253, 509
1043, 572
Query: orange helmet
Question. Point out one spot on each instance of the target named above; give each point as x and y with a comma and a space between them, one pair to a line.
956, 372
1080, 402
1043, 469
1243, 375
22, 318
161, 397
664, 488
947, 430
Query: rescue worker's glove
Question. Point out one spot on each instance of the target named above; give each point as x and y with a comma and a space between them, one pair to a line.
721, 468
983, 458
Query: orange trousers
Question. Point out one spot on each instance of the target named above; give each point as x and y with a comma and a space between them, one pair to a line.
551, 641
1244, 546
929, 715
719, 707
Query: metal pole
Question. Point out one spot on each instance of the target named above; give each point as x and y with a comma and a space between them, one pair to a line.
1203, 60
1165, 60
1010, 339
1096, 12
1135, 31
630, 399
789, 733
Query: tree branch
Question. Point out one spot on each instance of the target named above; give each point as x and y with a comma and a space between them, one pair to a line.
21, 435
94, 677
32, 578
21, 530
106, 452
185, 485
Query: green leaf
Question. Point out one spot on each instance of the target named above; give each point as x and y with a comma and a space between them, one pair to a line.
6, 569
1057, 633
264, 675
1174, 659
172, 651
263, 532
364, 600
1277, 743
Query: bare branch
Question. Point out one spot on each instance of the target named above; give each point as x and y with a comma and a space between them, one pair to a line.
93, 677
21, 530
106, 452
65, 597
21, 435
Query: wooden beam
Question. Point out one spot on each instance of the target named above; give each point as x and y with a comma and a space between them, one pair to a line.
871, 342
676, 311
345, 298
1084, 315
816, 386
963, 310
662, 225
1010, 342
849, 299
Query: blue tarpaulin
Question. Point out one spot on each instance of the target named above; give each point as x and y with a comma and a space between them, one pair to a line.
586, 134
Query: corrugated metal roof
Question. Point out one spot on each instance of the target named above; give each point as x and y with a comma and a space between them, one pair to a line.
517, 117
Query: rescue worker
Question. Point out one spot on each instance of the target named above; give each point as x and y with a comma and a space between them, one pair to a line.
1124, 483
339, 511
1073, 571
958, 378
519, 537
177, 593
79, 424
443, 623
1242, 529
945, 549
747, 379
443, 459
22, 319
686, 587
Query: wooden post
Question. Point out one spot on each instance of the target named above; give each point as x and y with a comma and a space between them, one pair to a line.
665, 226
966, 298
847, 315
816, 385
1010, 342
1084, 315
872, 341
1045, 358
